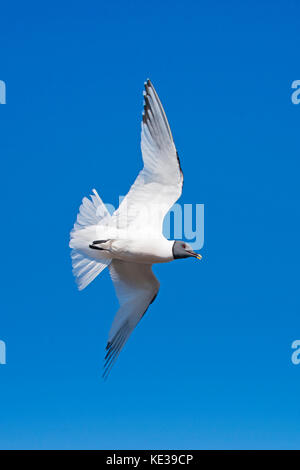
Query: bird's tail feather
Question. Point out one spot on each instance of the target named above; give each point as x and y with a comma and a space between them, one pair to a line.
85, 269
86, 263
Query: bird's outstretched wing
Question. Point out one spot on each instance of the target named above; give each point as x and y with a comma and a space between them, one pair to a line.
136, 288
159, 184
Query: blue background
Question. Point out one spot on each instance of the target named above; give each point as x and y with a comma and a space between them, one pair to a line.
210, 364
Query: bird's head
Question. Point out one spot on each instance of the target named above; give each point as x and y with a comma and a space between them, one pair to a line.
184, 250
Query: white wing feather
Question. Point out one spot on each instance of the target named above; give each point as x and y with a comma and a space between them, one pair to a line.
136, 287
159, 184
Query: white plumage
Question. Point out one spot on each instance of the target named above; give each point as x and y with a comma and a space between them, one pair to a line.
131, 240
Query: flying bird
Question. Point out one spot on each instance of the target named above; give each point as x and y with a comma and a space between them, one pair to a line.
130, 240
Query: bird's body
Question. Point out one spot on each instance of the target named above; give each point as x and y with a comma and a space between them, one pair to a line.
131, 240
140, 250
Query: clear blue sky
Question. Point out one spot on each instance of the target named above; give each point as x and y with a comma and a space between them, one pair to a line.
210, 364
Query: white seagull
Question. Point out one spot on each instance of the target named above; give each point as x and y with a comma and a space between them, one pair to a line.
130, 240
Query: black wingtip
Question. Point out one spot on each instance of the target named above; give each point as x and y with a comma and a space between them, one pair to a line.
147, 84
178, 160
